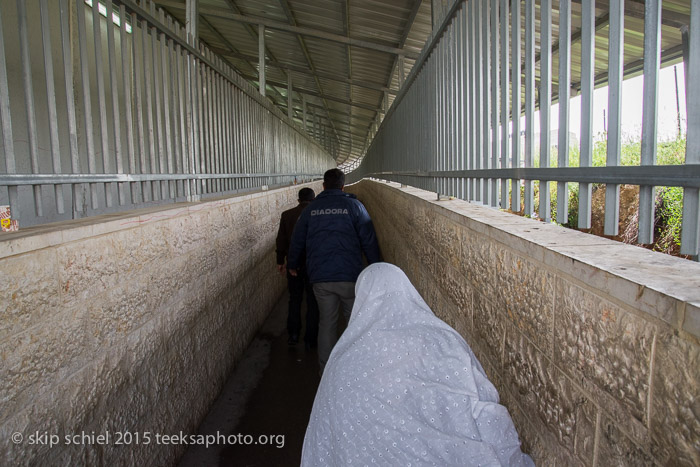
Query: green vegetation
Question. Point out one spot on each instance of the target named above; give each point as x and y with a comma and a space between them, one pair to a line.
669, 200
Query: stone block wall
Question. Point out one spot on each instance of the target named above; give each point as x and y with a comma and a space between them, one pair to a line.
129, 323
592, 344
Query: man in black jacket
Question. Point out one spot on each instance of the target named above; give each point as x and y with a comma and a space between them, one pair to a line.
300, 281
332, 234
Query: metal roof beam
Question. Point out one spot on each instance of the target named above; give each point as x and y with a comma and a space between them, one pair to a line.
223, 13
307, 55
314, 94
345, 114
307, 71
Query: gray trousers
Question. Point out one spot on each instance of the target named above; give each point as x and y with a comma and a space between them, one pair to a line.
329, 295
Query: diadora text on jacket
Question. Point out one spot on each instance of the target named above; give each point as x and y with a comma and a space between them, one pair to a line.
332, 233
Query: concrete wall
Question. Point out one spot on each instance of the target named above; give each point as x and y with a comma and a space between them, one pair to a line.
592, 344
129, 323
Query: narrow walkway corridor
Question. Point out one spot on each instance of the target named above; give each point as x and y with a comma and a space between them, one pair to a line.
269, 394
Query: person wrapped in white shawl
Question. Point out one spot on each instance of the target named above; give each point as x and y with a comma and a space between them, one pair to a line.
402, 387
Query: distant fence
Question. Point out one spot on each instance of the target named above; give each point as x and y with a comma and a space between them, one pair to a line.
100, 115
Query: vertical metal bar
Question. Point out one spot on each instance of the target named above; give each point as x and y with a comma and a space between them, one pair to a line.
157, 87
222, 125
29, 101
87, 105
255, 129
6, 119
479, 94
452, 101
235, 137
101, 100
652, 59
587, 83
51, 100
456, 88
303, 113
192, 18
228, 149
545, 103
685, 44
564, 106
447, 109
228, 142
452, 108
213, 126
188, 102
529, 100
216, 101
231, 140
690, 230
261, 58
114, 87
615, 52
185, 134
238, 160
201, 89
252, 138
433, 97
127, 60
290, 113
505, 92
166, 86
179, 136
515, 102
440, 109
471, 38
462, 107
141, 80
245, 119
148, 80
209, 126
194, 117
494, 102
459, 104
446, 117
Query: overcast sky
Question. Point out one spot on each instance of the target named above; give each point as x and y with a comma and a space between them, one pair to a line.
631, 108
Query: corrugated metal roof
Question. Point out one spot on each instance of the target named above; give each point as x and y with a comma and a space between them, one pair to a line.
342, 55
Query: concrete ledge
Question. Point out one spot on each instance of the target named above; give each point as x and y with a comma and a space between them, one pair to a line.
593, 344
130, 323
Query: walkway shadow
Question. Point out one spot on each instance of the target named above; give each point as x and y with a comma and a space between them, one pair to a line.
265, 405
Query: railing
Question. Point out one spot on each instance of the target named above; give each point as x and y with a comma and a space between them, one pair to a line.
100, 115
449, 129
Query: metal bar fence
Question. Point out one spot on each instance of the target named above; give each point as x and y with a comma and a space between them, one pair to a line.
413, 144
151, 117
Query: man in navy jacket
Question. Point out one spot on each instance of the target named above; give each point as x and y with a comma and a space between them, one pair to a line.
332, 233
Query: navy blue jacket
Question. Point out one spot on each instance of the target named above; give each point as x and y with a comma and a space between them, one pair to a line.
333, 232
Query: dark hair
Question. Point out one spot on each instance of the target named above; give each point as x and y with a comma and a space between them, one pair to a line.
306, 194
333, 179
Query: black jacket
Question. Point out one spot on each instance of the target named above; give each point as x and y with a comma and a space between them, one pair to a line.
284, 234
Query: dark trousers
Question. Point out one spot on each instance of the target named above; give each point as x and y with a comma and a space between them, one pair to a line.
297, 286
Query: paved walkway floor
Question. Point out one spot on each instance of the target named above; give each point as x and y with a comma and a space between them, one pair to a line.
266, 401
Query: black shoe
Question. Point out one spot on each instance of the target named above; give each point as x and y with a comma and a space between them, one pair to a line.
293, 339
